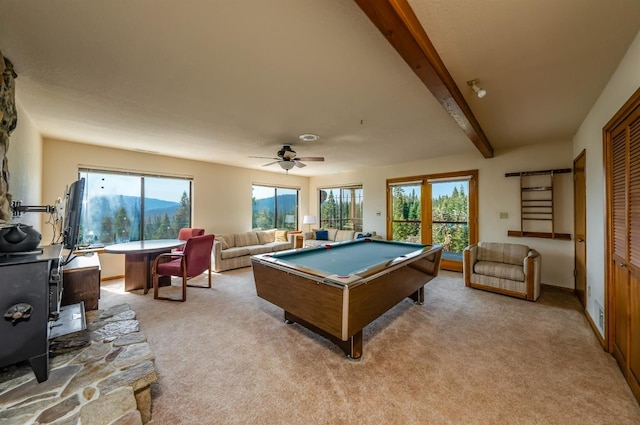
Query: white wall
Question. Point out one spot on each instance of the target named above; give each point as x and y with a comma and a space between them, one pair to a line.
621, 86
497, 193
221, 194
25, 166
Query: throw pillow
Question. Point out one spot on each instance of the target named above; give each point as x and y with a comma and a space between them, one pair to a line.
322, 235
281, 236
360, 236
367, 235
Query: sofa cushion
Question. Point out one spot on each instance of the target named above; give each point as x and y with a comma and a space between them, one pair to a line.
281, 236
258, 249
234, 252
226, 241
322, 235
502, 252
246, 239
499, 270
344, 235
278, 246
332, 234
266, 236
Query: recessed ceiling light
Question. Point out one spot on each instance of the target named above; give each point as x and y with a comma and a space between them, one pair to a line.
309, 137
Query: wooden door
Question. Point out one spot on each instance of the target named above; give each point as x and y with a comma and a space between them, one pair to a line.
619, 240
580, 228
633, 263
622, 159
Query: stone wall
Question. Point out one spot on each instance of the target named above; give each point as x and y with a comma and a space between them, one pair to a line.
8, 122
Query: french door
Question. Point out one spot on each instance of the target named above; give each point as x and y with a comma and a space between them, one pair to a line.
435, 209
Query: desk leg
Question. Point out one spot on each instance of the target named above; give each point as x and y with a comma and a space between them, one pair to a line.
137, 272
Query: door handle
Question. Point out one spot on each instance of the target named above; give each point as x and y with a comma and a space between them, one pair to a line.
580, 240
623, 265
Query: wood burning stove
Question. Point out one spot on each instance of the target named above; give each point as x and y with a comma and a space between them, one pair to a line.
30, 293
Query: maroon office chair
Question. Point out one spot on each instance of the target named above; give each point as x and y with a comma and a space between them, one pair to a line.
186, 233
191, 262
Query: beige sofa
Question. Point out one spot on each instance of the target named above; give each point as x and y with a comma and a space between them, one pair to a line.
506, 268
234, 250
333, 236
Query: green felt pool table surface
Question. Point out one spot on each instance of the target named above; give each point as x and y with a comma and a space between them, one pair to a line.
349, 257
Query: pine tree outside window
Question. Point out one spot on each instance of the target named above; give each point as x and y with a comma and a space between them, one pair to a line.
341, 207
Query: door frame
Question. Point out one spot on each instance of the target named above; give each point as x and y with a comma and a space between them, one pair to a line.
577, 192
426, 205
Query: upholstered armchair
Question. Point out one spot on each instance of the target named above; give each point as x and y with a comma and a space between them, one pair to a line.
505, 268
194, 260
188, 232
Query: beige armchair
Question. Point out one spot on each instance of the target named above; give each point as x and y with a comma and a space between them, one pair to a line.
506, 268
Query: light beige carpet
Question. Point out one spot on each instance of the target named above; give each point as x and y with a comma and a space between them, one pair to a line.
464, 357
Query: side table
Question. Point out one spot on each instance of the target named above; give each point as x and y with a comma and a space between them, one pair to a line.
81, 281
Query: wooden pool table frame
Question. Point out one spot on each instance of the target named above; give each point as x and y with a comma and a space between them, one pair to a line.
340, 312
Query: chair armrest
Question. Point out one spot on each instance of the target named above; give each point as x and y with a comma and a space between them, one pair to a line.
307, 235
167, 256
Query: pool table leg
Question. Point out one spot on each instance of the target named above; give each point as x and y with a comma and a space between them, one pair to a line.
352, 347
418, 296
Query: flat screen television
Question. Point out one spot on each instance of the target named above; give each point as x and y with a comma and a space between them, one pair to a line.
72, 211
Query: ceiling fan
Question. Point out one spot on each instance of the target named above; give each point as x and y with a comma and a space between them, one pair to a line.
287, 158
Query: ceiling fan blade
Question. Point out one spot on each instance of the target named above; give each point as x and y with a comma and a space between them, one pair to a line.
310, 158
263, 157
271, 163
299, 164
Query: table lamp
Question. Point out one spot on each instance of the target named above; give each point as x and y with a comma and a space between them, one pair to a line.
309, 219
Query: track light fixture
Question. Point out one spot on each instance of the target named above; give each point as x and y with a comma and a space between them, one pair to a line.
479, 91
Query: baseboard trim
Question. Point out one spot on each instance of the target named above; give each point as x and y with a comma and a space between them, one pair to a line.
557, 288
104, 279
595, 330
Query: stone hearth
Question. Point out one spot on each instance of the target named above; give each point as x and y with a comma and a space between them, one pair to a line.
101, 375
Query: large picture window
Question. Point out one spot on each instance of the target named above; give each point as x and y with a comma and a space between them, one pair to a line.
123, 207
274, 208
341, 207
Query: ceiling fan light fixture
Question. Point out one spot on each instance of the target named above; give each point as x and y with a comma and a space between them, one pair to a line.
309, 137
287, 165
480, 92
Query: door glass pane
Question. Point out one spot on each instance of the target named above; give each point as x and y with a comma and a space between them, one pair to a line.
450, 215
406, 213
167, 206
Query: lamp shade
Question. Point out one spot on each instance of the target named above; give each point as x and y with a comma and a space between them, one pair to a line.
309, 219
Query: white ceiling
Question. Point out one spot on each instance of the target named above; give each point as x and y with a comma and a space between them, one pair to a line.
222, 80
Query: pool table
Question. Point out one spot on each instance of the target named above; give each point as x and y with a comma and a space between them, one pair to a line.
336, 290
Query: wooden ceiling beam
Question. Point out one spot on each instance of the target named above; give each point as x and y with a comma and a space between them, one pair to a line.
397, 22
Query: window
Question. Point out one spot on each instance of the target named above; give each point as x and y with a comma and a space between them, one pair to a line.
274, 208
341, 208
122, 207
